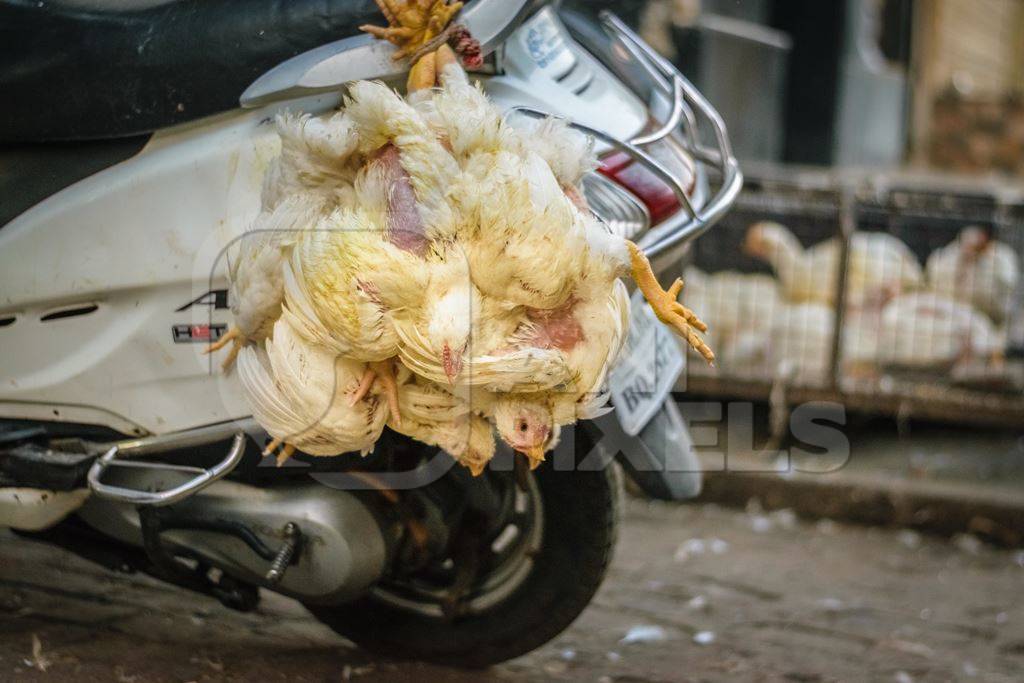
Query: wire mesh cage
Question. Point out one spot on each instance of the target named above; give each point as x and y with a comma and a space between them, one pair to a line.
889, 294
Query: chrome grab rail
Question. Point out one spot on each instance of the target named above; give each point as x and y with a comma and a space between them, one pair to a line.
690, 222
114, 457
633, 150
684, 228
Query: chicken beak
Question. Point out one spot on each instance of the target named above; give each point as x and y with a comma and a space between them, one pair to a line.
535, 455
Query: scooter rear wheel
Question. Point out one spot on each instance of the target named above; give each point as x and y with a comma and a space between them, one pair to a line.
567, 560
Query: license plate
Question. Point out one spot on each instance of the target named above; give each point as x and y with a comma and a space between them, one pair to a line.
648, 369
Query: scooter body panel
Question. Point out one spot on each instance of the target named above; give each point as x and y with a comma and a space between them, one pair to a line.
117, 282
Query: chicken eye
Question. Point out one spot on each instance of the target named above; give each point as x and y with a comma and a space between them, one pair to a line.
523, 426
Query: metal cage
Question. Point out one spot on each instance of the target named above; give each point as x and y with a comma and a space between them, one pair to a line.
845, 352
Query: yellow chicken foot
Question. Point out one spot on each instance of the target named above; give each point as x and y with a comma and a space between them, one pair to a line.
682, 320
396, 35
412, 23
234, 335
286, 452
386, 374
364, 386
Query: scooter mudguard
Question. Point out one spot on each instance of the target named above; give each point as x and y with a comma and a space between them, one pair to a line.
665, 464
660, 459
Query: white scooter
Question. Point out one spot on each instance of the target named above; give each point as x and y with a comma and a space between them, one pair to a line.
122, 443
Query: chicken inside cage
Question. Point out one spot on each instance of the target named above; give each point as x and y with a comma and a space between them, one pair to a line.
929, 285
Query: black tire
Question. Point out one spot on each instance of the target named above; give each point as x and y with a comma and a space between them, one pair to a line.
576, 547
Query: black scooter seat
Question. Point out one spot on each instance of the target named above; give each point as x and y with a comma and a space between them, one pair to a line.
90, 69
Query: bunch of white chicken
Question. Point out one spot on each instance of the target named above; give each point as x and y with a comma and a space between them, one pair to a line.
896, 314
419, 263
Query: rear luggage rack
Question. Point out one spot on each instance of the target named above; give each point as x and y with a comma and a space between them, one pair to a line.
118, 454
689, 110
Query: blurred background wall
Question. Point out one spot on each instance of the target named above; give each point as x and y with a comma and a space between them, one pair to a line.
930, 83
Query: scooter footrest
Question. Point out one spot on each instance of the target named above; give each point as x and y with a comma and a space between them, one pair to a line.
201, 479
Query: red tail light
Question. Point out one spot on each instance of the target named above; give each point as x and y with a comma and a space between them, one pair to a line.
659, 198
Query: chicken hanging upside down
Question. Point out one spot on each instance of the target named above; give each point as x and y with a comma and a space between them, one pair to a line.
433, 267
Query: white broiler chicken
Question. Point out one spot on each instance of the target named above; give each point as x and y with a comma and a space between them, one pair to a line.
311, 176
390, 253
349, 211
591, 335
436, 417
384, 275
536, 254
737, 302
588, 336
303, 395
978, 270
880, 266
526, 236
796, 345
926, 330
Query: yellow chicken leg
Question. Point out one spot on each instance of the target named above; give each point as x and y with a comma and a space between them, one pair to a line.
286, 452
426, 72
445, 56
412, 24
233, 336
364, 386
386, 373
682, 320
423, 74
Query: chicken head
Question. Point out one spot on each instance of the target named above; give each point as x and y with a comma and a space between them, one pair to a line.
525, 425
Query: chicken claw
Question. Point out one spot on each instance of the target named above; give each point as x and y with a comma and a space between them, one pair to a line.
412, 23
286, 452
364, 386
385, 372
233, 335
682, 320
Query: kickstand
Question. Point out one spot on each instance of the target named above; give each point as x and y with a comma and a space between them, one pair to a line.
233, 594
